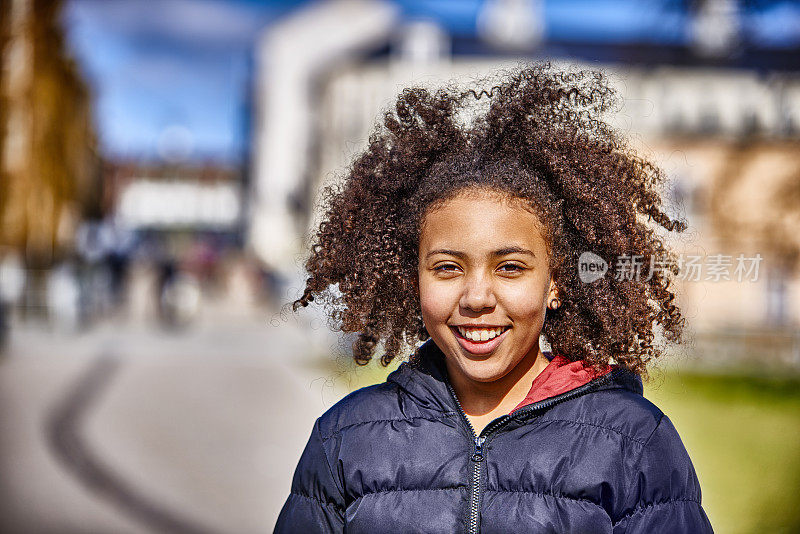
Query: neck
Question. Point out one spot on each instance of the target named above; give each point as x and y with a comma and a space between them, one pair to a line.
499, 397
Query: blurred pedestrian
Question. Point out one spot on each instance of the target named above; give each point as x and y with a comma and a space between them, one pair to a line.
12, 286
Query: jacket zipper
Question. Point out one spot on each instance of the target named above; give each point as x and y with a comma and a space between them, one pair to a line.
474, 522
478, 455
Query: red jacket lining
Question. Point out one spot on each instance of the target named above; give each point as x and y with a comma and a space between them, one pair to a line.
560, 376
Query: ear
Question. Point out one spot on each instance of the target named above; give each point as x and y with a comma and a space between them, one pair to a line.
552, 293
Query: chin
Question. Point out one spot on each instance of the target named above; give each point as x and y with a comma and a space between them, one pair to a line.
486, 370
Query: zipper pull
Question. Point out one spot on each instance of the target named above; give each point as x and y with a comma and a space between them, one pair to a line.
478, 456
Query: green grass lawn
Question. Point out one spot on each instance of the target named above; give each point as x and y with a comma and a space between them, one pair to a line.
742, 433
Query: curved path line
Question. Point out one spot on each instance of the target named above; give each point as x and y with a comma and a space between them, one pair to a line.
64, 437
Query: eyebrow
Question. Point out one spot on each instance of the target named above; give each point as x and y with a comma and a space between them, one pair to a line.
505, 251
513, 250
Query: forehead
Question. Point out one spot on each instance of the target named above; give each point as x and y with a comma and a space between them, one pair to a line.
481, 219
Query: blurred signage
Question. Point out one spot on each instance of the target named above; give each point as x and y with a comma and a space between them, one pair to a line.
178, 204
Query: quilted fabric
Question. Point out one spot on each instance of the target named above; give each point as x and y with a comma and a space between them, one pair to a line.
401, 457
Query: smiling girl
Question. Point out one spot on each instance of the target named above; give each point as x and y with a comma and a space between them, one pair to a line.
466, 235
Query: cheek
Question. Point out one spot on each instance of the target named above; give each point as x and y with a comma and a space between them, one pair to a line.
524, 302
437, 302
430, 301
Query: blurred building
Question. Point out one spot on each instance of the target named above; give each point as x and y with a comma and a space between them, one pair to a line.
719, 114
156, 197
292, 58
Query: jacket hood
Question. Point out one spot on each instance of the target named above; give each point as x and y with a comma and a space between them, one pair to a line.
426, 380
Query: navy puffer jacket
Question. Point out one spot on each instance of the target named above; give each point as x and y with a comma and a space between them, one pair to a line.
402, 457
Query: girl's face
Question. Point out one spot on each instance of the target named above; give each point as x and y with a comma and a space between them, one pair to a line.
484, 283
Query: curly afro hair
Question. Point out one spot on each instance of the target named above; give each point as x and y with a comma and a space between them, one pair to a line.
538, 138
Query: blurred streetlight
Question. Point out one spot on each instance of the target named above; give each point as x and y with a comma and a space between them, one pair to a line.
512, 24
715, 27
422, 42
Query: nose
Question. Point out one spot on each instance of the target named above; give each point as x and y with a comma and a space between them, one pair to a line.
478, 294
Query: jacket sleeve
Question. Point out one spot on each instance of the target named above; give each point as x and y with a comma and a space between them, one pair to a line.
315, 503
663, 494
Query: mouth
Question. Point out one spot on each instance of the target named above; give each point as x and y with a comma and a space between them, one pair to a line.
480, 340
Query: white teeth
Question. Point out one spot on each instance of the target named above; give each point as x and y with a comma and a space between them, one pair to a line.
480, 334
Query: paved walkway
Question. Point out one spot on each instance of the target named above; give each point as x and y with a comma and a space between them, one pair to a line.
125, 429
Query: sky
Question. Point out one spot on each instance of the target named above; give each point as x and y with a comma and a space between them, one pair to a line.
170, 78
168, 74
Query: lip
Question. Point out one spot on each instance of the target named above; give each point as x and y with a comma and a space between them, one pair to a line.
479, 348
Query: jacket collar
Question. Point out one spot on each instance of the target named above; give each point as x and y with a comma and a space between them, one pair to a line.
559, 377
425, 381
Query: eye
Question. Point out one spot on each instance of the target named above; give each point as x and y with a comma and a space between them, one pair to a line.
446, 268
511, 268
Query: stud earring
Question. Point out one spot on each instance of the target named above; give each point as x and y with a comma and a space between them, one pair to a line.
555, 303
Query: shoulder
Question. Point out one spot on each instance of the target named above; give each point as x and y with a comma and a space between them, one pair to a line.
654, 465
619, 411
410, 394
631, 425
379, 402
655, 461
653, 444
